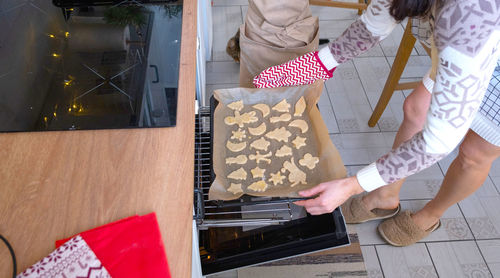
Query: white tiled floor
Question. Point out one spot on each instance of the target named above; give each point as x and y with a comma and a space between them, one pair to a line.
468, 243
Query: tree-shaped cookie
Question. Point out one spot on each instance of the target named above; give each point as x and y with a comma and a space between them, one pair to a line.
239, 174
235, 188
284, 151
259, 186
282, 106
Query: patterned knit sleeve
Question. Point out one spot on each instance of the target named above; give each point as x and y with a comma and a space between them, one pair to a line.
372, 27
467, 35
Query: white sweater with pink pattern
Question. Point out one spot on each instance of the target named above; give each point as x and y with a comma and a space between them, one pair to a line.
466, 35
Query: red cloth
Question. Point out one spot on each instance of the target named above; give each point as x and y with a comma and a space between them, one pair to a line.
131, 247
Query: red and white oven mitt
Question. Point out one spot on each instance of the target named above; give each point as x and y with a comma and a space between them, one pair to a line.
131, 247
303, 70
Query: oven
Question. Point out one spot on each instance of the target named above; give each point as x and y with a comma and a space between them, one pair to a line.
251, 230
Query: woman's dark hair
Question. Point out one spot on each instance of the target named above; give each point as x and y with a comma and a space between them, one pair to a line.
400, 9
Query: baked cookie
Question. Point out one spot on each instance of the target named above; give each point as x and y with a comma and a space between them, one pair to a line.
299, 142
279, 134
240, 159
284, 151
236, 147
261, 157
237, 105
264, 108
241, 119
257, 130
300, 124
235, 188
309, 161
300, 107
285, 117
282, 106
277, 178
239, 174
258, 172
259, 186
260, 144
239, 134
296, 175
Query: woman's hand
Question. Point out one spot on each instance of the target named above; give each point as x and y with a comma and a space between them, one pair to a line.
303, 70
331, 195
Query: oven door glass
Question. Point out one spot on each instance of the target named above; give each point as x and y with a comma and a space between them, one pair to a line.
89, 64
226, 248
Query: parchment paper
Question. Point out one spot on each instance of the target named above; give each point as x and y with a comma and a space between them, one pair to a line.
318, 142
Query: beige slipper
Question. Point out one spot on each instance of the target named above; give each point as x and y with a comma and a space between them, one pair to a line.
355, 212
402, 231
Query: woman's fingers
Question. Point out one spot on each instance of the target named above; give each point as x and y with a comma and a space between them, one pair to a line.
313, 191
300, 203
309, 203
317, 205
331, 195
318, 209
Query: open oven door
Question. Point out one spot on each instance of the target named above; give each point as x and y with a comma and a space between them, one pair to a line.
253, 230
226, 248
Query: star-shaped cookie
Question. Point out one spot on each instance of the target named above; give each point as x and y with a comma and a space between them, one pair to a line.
277, 178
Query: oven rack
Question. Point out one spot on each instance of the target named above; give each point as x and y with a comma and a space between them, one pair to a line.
243, 212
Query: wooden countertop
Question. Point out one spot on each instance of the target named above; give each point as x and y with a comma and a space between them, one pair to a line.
56, 184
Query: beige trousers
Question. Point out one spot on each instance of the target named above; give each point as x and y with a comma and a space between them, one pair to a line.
273, 33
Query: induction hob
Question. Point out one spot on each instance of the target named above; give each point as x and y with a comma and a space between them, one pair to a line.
72, 65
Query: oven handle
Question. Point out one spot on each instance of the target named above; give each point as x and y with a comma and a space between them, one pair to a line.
156, 73
263, 202
240, 222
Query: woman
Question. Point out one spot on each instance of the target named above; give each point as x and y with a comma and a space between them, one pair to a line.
452, 103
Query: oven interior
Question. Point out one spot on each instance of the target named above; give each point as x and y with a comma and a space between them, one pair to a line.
252, 230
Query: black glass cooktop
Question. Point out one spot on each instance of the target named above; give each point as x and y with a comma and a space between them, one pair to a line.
71, 65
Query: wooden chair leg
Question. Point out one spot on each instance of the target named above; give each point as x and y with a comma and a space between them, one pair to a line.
339, 4
360, 11
402, 56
